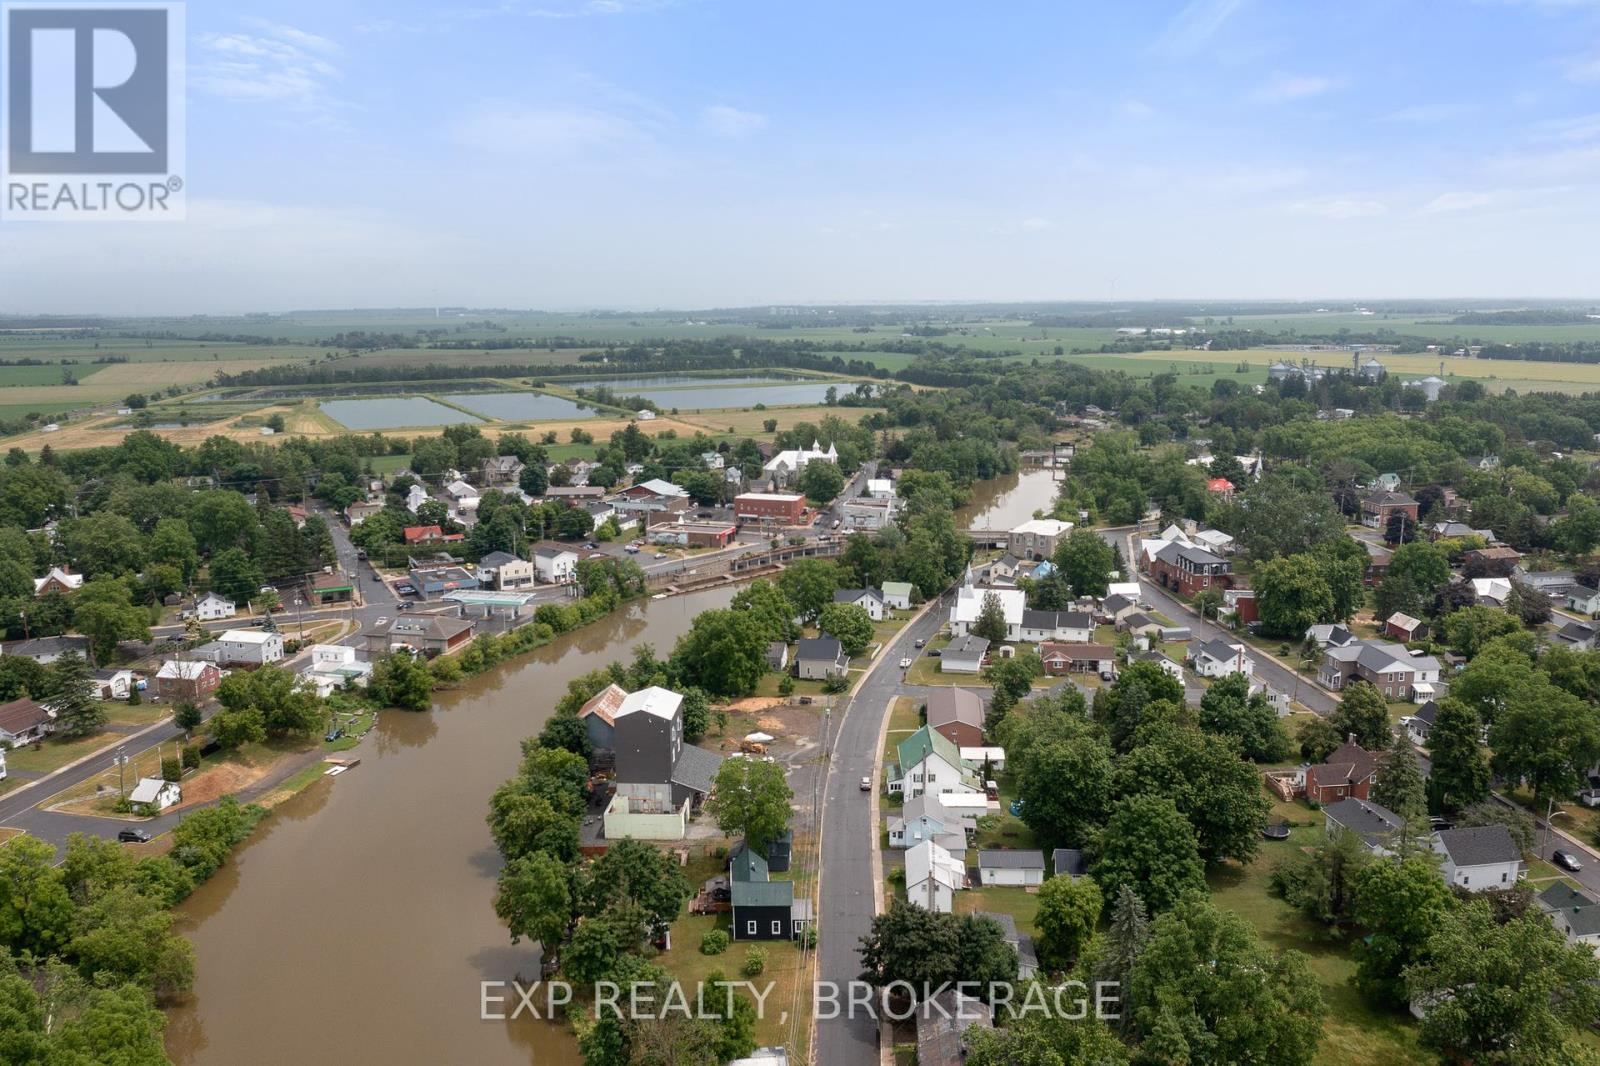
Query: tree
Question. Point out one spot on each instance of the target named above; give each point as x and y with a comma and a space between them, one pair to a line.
1121, 708
1320, 882
1150, 847
772, 610
1285, 518
923, 948
1084, 560
1510, 992
1012, 680
523, 823
285, 704
104, 612
849, 623
809, 585
1402, 904
751, 799
821, 482
1068, 912
36, 912
69, 691
991, 623
1201, 774
1470, 629
234, 729
1399, 785
1518, 822
1055, 1040
1205, 991
235, 575
1065, 785
724, 653
1546, 737
128, 935
402, 680
1364, 714
696, 714
1124, 941
186, 716
1421, 562
1228, 709
1292, 595
1460, 776
642, 875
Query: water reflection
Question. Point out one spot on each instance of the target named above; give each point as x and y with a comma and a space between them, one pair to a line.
1007, 502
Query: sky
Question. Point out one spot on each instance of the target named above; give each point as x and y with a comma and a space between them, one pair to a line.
570, 154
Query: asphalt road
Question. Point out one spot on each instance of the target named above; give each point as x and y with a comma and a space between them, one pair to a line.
1267, 669
850, 840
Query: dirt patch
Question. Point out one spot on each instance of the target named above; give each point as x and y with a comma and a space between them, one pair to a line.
223, 779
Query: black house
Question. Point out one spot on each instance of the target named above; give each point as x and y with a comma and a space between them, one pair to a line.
763, 909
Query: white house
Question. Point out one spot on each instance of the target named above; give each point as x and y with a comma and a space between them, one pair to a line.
933, 877
897, 594
1007, 867
645, 415
927, 818
1479, 858
1218, 658
969, 606
333, 665
463, 497
1574, 913
928, 761
869, 600
784, 466
416, 496
212, 607
155, 793
57, 580
248, 647
1073, 627
555, 565
880, 488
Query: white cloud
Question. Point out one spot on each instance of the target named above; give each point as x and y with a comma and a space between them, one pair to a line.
1576, 128
277, 64
725, 121
1339, 208
1422, 114
1286, 87
1457, 201
562, 132
1585, 70
1136, 109
1193, 26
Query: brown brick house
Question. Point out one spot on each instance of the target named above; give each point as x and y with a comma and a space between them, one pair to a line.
1187, 569
1346, 773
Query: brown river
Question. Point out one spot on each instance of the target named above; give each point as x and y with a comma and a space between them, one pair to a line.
357, 922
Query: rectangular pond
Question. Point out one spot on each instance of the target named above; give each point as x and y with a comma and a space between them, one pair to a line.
393, 412
664, 381
708, 399
519, 406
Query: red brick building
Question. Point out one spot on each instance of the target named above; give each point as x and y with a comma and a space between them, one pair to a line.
1378, 508
782, 508
1347, 773
1187, 569
191, 679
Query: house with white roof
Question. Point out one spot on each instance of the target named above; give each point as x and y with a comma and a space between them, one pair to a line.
933, 877
785, 466
213, 608
462, 496
1037, 538
925, 817
880, 488
416, 496
155, 793
969, 606
243, 647
57, 580
333, 666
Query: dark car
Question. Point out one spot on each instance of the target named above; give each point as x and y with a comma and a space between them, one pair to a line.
935, 653
1566, 861
334, 734
133, 836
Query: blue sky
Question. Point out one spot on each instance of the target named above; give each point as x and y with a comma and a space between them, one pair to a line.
652, 153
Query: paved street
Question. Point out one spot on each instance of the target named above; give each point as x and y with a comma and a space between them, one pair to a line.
1269, 670
850, 840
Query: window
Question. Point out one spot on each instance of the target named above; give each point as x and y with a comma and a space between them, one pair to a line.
750, 927
777, 928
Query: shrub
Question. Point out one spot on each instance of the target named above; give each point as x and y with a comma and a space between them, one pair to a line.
836, 684
755, 960
808, 938
171, 768
714, 942
191, 757
786, 686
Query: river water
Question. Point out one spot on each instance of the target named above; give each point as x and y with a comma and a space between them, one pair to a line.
357, 922
1007, 502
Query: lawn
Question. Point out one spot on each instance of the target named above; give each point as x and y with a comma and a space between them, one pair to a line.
1004, 829
904, 719
56, 752
1021, 904
1354, 1033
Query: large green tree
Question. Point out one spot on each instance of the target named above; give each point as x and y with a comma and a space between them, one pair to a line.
1460, 775
751, 800
1228, 709
848, 623
1203, 776
1363, 713
1402, 905
1546, 737
1084, 560
1292, 595
68, 690
1150, 847
809, 585
1068, 912
724, 653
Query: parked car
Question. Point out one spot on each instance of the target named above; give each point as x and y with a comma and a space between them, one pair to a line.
377, 577
382, 620
1566, 861
935, 653
133, 836
866, 784
905, 664
919, 643
632, 549
334, 734
661, 555
406, 590
592, 546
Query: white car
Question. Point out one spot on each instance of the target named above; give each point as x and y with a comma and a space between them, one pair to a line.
866, 784
905, 664
382, 621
